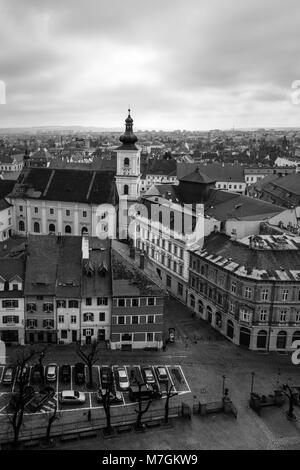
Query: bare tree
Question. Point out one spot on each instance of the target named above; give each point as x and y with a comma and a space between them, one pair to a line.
18, 399
52, 416
106, 400
170, 394
89, 355
41, 365
140, 411
286, 389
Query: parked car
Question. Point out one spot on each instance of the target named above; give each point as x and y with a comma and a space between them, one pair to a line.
79, 371
148, 375
65, 373
9, 375
51, 372
24, 373
115, 397
72, 396
123, 378
146, 392
105, 373
162, 374
28, 394
36, 376
40, 399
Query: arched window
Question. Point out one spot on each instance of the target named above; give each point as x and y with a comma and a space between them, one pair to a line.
200, 306
281, 340
21, 226
296, 336
52, 228
68, 229
84, 230
261, 339
126, 161
126, 189
230, 329
192, 301
209, 314
36, 227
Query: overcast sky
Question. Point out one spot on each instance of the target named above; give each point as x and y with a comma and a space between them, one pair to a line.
180, 64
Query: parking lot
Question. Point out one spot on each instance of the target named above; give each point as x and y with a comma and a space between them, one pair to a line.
175, 378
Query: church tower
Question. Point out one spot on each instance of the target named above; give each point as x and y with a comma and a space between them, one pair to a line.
128, 163
128, 174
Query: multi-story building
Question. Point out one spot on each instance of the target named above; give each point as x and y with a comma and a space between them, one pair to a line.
6, 211
138, 306
10, 163
248, 289
68, 289
96, 290
12, 300
40, 289
61, 201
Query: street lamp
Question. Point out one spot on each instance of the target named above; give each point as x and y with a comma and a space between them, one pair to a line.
223, 387
252, 381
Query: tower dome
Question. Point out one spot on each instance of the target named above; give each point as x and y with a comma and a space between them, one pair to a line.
129, 139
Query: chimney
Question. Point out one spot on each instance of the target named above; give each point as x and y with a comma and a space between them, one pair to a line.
85, 247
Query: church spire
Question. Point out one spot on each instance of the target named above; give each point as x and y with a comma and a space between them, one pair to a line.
128, 138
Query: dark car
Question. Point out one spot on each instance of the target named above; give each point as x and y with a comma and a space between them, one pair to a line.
37, 401
36, 376
115, 397
65, 373
79, 372
145, 391
28, 394
9, 375
105, 373
23, 374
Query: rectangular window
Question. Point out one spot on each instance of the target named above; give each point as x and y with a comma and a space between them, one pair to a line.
245, 315
121, 320
102, 316
135, 302
61, 319
73, 319
31, 307
73, 303
285, 295
84, 214
51, 211
21, 208
64, 334
175, 266
150, 301
47, 307
102, 301
88, 301
67, 212
283, 316
297, 318
135, 320
10, 319
61, 304
233, 287
121, 302
169, 281
263, 315
150, 337
36, 210
39, 297
31, 323
265, 294
10, 303
248, 293
180, 289
126, 337
150, 319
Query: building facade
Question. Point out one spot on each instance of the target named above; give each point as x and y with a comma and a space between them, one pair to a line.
247, 290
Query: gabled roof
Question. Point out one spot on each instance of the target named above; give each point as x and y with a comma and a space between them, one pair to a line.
82, 186
217, 171
4, 205
96, 282
197, 176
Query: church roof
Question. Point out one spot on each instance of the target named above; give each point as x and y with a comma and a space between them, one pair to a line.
197, 176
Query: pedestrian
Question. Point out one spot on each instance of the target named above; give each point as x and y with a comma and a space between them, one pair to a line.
164, 346
89, 415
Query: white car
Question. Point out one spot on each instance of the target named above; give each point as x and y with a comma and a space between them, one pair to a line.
51, 372
72, 396
123, 378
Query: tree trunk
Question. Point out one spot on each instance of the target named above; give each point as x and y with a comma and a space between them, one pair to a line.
90, 367
167, 410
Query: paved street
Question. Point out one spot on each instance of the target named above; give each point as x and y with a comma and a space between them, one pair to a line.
205, 357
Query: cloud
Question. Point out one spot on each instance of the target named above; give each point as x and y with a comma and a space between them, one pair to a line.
195, 64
